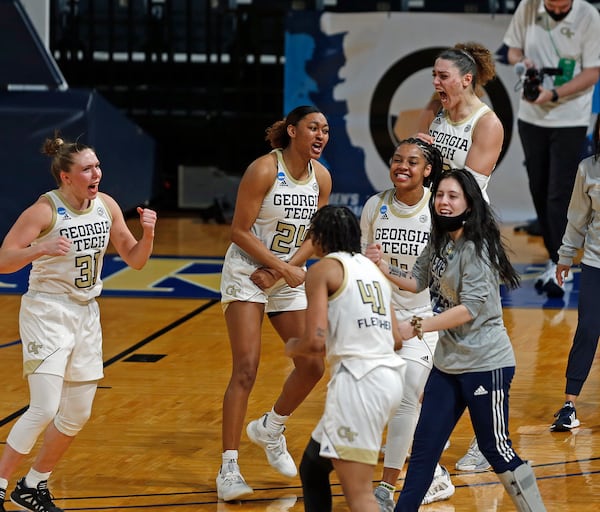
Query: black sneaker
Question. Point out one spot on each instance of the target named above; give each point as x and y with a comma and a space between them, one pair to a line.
37, 500
566, 419
2, 496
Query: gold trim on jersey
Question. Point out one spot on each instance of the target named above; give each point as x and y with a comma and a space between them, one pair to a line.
468, 118
387, 198
279, 155
52, 220
344, 284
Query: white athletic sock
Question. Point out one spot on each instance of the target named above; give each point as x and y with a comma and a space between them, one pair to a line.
275, 422
388, 487
33, 478
3, 483
230, 456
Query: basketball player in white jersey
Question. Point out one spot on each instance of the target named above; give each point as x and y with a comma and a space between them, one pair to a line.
399, 220
464, 128
64, 235
264, 271
350, 321
468, 134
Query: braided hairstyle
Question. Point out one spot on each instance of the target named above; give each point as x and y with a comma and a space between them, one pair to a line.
335, 228
431, 154
480, 227
61, 152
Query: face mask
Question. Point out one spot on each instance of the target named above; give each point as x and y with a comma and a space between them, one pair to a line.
450, 224
560, 16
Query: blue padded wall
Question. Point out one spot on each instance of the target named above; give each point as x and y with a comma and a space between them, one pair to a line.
126, 153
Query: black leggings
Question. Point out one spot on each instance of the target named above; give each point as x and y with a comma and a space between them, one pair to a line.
551, 158
585, 341
314, 473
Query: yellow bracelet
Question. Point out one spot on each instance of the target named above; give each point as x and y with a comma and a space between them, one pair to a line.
417, 324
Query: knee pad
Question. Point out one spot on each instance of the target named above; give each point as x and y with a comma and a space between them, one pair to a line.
522, 488
314, 474
72, 424
76, 408
27, 429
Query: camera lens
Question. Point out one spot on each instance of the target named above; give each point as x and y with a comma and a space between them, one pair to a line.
531, 84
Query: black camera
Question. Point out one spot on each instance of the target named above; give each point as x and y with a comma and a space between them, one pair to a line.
534, 78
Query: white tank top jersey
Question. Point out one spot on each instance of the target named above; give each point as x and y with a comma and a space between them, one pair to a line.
286, 211
454, 140
76, 274
360, 323
403, 232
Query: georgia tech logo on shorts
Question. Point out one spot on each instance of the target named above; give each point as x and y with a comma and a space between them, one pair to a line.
346, 433
233, 290
34, 348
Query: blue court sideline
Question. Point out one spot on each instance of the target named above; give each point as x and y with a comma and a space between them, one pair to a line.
193, 277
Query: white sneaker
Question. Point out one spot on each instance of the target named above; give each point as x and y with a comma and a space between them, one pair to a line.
282, 504
231, 484
441, 487
473, 460
274, 445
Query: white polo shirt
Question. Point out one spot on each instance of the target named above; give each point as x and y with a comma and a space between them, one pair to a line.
544, 41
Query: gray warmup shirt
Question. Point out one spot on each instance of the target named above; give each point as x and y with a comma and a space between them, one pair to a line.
583, 226
463, 277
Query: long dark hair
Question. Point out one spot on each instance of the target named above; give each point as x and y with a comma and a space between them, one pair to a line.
335, 228
480, 227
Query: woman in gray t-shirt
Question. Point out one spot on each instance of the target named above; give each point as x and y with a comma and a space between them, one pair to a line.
474, 363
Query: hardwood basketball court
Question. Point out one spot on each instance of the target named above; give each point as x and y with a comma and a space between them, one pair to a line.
154, 443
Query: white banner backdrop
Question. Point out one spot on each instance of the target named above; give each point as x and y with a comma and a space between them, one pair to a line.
370, 73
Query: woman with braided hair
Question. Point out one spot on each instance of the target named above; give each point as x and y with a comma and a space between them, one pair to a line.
399, 220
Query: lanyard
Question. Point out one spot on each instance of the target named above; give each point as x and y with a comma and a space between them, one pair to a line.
549, 32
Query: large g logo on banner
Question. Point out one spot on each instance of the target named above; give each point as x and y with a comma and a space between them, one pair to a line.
381, 119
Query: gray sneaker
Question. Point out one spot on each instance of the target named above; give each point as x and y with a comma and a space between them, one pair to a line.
473, 460
231, 485
382, 495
